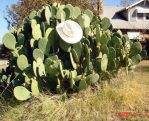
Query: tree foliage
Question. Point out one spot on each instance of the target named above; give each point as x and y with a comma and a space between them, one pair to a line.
18, 11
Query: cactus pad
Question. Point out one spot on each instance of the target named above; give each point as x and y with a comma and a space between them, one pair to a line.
82, 84
37, 53
104, 63
89, 13
9, 41
92, 78
48, 14
105, 23
21, 93
136, 48
22, 62
34, 87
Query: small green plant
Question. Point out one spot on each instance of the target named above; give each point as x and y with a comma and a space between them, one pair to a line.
40, 60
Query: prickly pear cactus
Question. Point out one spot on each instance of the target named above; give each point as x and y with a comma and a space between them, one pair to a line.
40, 60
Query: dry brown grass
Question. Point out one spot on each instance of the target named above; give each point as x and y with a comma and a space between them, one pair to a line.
126, 93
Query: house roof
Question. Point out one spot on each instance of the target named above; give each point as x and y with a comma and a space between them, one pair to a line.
119, 22
110, 11
136, 3
123, 24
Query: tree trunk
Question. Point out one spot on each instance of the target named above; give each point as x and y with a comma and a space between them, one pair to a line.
100, 7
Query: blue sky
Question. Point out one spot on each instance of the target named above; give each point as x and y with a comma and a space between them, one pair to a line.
3, 23
111, 2
4, 3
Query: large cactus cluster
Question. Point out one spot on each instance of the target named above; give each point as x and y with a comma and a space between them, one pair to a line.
40, 60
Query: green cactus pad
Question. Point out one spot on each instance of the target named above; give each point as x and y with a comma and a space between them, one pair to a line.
35, 68
50, 35
61, 70
32, 43
52, 66
88, 32
69, 11
104, 49
22, 62
88, 56
61, 15
136, 48
105, 23
104, 39
21, 93
44, 45
74, 74
72, 61
116, 41
58, 84
104, 63
82, 84
84, 21
72, 83
117, 34
136, 59
34, 87
33, 14
61, 7
75, 55
77, 12
9, 41
98, 34
36, 32
89, 13
92, 78
37, 53
78, 48
112, 53
48, 14
41, 67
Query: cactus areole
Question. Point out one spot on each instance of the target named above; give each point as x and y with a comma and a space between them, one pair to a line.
61, 48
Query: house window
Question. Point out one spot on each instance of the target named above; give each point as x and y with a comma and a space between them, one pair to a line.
147, 16
140, 16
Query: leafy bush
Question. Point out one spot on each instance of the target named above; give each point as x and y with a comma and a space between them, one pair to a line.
40, 60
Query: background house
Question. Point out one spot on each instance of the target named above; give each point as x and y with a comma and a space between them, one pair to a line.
132, 20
